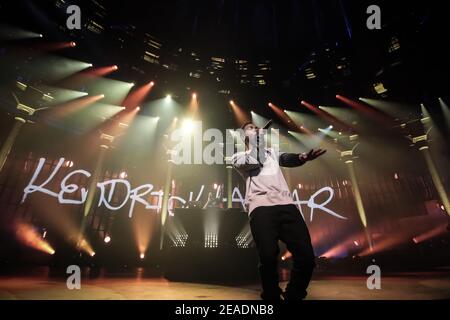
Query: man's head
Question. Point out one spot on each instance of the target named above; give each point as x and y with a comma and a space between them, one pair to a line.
248, 128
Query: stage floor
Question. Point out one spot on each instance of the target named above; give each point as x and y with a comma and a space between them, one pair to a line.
404, 286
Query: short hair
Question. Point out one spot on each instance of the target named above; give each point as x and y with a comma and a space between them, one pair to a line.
246, 123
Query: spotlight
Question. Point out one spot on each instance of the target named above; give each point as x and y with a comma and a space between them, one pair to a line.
73, 44
168, 98
303, 102
90, 65
152, 83
68, 163
231, 102
92, 254
194, 96
284, 110
132, 84
157, 118
330, 127
123, 175
107, 239
114, 67
123, 108
102, 96
270, 104
338, 96
188, 126
138, 108
142, 256
41, 36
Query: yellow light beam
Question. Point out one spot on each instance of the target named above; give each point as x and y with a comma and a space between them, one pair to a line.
165, 203
358, 199
436, 178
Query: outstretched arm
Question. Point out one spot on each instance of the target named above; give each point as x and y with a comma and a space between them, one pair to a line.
291, 160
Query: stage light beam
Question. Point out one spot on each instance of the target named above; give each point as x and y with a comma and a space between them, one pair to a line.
31, 238
445, 111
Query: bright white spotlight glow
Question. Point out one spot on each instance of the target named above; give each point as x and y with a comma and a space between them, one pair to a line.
188, 125
92, 254
107, 239
215, 186
330, 127
168, 98
142, 256
68, 163
152, 83
194, 96
123, 175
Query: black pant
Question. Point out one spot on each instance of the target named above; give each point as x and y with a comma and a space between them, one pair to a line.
285, 223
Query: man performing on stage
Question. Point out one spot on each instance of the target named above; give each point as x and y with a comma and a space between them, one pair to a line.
273, 214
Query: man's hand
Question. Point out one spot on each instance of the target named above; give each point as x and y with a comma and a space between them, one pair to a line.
311, 155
